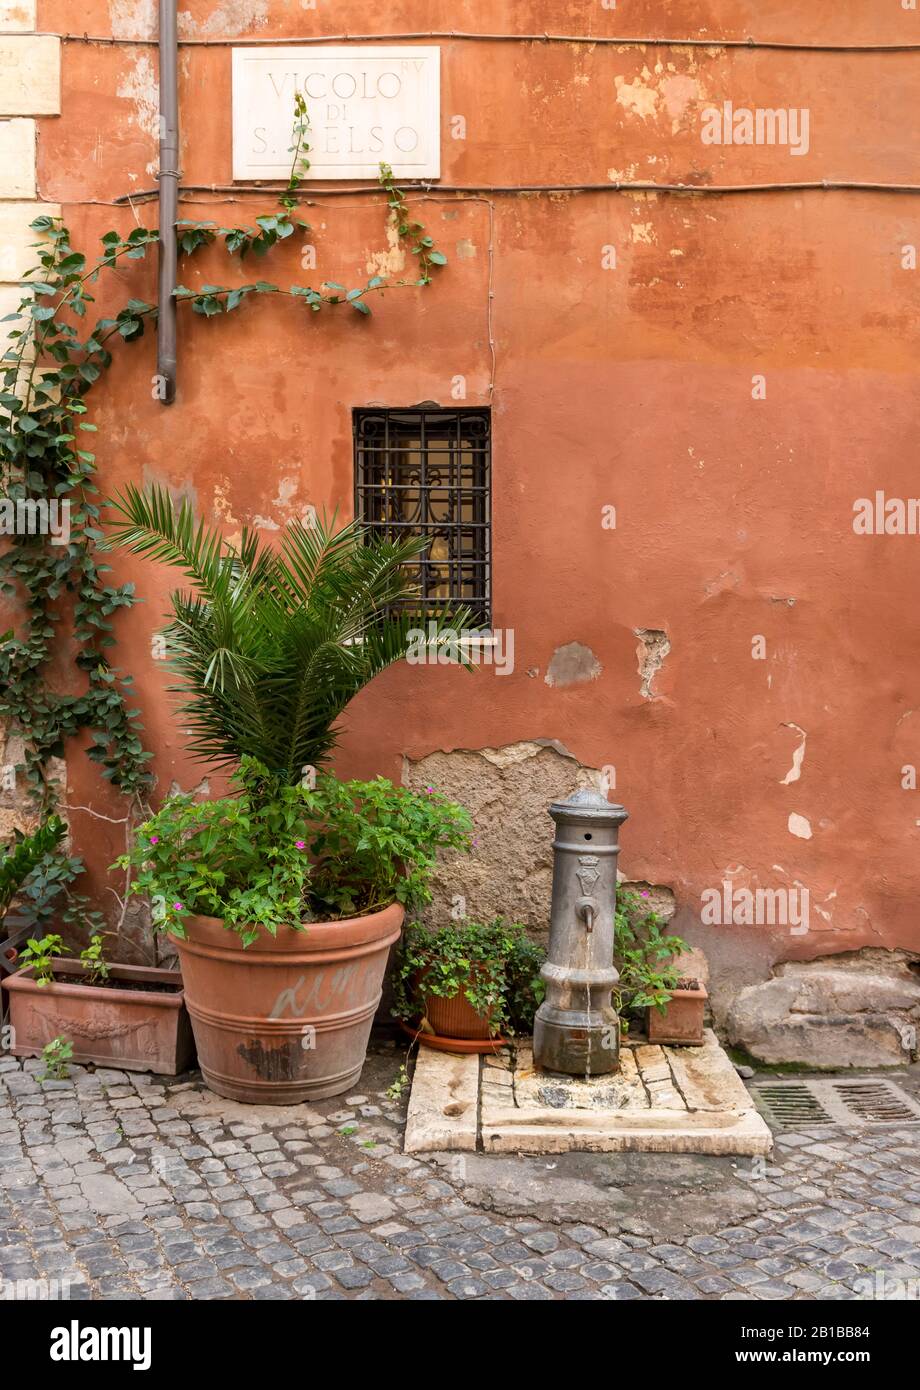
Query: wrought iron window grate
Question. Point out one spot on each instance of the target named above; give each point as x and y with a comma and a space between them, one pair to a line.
426, 471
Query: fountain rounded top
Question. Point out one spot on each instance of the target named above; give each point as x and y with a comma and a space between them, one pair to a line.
588, 804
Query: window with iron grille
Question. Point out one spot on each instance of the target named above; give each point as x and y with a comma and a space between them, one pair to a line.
426, 472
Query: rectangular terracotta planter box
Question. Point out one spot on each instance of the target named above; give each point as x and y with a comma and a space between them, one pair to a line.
681, 1024
129, 1029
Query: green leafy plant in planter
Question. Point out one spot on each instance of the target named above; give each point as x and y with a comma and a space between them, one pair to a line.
493, 966
275, 855
93, 957
645, 955
270, 645
41, 955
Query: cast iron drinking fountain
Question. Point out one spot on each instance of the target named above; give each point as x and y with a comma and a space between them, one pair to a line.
576, 1029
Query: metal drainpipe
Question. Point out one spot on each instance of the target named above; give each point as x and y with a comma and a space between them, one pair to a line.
169, 200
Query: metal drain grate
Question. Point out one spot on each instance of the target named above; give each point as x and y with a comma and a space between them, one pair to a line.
878, 1102
863, 1101
791, 1103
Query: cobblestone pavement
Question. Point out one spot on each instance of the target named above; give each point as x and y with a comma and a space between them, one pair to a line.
127, 1186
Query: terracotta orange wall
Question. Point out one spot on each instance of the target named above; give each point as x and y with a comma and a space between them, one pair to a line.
630, 387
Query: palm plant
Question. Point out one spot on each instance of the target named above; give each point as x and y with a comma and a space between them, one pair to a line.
271, 645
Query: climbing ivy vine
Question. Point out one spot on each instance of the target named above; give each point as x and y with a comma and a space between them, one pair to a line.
48, 370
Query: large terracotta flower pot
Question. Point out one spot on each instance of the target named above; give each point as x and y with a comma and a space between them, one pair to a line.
137, 1022
286, 1019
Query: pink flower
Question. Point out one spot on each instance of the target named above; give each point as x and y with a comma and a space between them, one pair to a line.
300, 844
644, 893
429, 791
177, 907
154, 839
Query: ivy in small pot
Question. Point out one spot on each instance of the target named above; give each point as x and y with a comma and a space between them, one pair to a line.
652, 988
286, 896
469, 986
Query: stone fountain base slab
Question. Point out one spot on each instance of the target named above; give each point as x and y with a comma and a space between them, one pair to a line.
662, 1100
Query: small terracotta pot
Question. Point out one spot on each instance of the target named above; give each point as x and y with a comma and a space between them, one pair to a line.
130, 1029
456, 1017
459, 1046
286, 1019
681, 1024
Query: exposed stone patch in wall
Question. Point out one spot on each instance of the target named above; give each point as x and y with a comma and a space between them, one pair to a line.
507, 791
654, 647
659, 899
571, 665
860, 1009
202, 790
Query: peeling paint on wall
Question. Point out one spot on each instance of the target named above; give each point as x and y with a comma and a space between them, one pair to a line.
635, 97
654, 647
140, 87
232, 17
571, 665
798, 757
389, 262
133, 19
